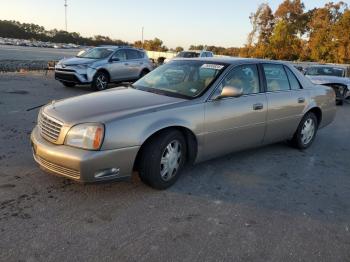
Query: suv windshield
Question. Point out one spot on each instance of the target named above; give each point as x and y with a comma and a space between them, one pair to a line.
97, 53
325, 71
188, 54
186, 79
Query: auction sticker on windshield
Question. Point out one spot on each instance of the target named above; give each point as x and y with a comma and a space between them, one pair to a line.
212, 66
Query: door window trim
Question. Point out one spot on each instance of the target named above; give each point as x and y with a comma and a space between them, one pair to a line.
265, 81
230, 70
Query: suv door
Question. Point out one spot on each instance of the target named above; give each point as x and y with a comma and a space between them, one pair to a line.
286, 102
118, 67
232, 124
135, 63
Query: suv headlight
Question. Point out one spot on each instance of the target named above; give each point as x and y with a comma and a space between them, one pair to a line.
86, 136
83, 66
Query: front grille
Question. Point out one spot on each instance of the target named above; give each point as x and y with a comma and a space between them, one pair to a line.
50, 128
66, 77
64, 171
64, 70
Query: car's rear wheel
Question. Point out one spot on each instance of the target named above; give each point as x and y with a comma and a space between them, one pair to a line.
306, 132
100, 81
162, 159
143, 73
68, 84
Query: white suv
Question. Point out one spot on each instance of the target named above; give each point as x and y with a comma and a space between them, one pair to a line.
100, 65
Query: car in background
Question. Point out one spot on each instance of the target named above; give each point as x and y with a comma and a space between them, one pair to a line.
183, 112
192, 54
337, 77
101, 65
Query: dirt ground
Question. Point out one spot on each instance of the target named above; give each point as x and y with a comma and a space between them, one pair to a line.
268, 204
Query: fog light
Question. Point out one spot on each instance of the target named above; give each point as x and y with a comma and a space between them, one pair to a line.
111, 172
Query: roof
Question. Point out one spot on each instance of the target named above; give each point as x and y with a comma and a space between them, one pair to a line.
233, 60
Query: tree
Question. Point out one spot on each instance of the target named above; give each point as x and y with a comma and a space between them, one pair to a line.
341, 32
179, 49
325, 29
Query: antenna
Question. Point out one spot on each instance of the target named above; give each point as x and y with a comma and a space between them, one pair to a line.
65, 12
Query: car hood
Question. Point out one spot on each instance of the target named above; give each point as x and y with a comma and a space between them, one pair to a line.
76, 61
107, 105
323, 80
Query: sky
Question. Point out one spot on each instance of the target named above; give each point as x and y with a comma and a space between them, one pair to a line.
177, 22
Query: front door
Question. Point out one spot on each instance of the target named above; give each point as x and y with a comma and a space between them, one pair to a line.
233, 124
118, 67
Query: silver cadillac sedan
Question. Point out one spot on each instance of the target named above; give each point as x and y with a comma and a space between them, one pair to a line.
186, 111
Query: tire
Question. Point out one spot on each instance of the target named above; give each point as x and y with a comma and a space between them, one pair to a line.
163, 159
68, 84
143, 73
339, 102
306, 132
100, 81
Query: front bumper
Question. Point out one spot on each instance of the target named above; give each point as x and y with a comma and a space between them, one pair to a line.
82, 165
74, 75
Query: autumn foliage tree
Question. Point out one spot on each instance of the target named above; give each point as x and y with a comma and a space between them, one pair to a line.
291, 33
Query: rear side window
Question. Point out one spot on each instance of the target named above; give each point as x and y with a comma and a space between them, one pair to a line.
132, 54
276, 78
293, 81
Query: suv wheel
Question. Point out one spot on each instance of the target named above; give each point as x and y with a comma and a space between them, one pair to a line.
68, 84
100, 81
306, 132
162, 159
143, 73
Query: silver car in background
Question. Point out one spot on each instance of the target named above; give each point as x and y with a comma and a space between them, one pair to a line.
100, 65
335, 76
185, 111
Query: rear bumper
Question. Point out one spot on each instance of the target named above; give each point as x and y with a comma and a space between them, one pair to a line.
82, 165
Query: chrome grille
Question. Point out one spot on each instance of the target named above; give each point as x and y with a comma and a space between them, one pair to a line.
50, 128
64, 171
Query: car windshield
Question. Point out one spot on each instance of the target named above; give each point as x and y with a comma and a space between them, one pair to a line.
96, 53
188, 54
187, 79
325, 71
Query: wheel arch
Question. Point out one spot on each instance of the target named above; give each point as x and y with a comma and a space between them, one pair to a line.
318, 113
190, 137
104, 71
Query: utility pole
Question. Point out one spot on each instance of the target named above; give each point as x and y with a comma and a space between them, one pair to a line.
65, 12
142, 36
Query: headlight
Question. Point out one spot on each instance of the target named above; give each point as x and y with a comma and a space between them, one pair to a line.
86, 136
83, 66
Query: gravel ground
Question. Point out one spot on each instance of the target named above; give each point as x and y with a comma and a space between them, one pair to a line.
268, 204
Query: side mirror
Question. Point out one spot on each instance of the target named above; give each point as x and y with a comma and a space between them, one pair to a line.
114, 59
230, 91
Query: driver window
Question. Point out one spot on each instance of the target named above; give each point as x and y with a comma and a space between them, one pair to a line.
244, 77
120, 54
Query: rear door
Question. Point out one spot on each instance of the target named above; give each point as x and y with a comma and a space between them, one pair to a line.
286, 102
232, 124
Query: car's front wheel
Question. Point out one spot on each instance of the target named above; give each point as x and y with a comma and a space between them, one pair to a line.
100, 81
306, 132
162, 159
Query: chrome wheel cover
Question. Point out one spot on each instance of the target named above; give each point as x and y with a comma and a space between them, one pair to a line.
170, 161
308, 131
101, 82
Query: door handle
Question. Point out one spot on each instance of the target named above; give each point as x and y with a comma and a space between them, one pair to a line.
258, 106
141, 63
301, 100
126, 63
